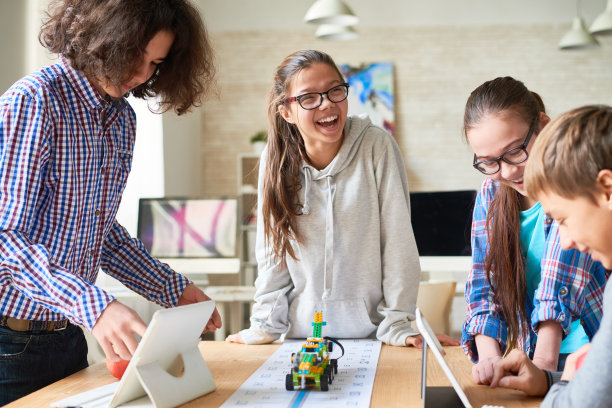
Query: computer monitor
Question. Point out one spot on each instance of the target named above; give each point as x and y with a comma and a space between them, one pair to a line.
441, 222
188, 227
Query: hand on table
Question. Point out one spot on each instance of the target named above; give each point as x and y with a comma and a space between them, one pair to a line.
193, 294
235, 338
417, 341
484, 369
518, 372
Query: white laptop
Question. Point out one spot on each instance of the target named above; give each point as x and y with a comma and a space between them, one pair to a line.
167, 368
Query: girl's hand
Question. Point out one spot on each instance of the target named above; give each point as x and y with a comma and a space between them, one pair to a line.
485, 368
417, 341
235, 338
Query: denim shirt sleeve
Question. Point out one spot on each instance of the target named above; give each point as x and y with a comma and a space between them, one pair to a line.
482, 312
571, 286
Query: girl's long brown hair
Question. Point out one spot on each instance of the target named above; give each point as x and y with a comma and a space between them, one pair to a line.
286, 151
107, 39
504, 262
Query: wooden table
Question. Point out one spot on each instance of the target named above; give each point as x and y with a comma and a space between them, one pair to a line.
397, 382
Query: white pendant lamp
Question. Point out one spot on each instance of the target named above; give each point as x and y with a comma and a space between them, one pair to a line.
330, 12
603, 23
578, 37
336, 32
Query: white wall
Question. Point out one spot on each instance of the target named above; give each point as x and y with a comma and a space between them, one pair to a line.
12, 15
241, 15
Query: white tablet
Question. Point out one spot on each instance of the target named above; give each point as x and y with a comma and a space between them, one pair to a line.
167, 368
430, 340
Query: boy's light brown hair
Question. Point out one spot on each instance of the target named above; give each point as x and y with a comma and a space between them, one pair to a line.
569, 153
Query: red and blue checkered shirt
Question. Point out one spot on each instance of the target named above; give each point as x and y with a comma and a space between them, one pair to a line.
66, 154
571, 287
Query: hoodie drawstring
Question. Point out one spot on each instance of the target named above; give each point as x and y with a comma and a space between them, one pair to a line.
307, 181
329, 241
329, 227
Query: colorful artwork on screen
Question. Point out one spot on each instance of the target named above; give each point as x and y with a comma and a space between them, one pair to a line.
188, 227
372, 92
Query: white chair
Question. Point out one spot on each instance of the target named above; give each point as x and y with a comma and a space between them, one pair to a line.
435, 300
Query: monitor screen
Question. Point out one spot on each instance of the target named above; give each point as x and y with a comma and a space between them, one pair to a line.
188, 228
441, 221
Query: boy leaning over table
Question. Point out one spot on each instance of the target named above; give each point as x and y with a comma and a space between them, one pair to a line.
570, 173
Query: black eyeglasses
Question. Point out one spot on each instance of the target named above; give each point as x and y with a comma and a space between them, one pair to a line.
313, 100
516, 155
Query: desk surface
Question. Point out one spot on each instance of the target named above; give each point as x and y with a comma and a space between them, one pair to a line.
397, 380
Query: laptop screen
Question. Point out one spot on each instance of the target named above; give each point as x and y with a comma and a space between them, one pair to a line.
441, 222
188, 228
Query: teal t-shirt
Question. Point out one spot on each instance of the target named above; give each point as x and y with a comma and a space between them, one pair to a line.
533, 242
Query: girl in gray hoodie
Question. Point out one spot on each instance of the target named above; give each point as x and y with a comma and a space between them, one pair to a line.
333, 218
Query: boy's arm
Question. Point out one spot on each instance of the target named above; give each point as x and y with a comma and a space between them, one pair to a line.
127, 260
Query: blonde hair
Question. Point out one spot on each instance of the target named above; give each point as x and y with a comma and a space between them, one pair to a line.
569, 153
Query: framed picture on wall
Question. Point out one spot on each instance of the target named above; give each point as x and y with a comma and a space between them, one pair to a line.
372, 92
188, 228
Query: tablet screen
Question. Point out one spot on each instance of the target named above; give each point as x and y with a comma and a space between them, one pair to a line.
434, 345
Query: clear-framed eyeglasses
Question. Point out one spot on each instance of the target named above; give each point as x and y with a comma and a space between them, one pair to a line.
516, 155
313, 100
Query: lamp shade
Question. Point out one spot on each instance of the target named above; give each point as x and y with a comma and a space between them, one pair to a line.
603, 23
578, 37
330, 12
336, 32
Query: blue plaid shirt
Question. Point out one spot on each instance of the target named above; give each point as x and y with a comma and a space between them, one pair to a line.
66, 154
571, 287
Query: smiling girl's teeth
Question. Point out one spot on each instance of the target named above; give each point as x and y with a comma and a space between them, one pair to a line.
330, 119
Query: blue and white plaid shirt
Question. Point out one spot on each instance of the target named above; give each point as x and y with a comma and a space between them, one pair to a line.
571, 287
66, 154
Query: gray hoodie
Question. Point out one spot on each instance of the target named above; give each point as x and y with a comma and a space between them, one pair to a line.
358, 262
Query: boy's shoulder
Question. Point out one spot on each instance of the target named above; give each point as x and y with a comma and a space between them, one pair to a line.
37, 85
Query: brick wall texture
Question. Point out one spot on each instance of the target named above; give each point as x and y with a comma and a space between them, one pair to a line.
435, 70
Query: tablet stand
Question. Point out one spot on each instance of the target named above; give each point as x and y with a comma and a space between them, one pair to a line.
167, 391
436, 397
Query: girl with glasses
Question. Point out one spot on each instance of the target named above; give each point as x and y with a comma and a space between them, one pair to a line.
524, 291
333, 225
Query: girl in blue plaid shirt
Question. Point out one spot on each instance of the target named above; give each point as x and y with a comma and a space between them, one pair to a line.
522, 282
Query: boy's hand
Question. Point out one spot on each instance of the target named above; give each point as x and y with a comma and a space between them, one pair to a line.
193, 294
417, 341
571, 364
518, 372
235, 338
115, 330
